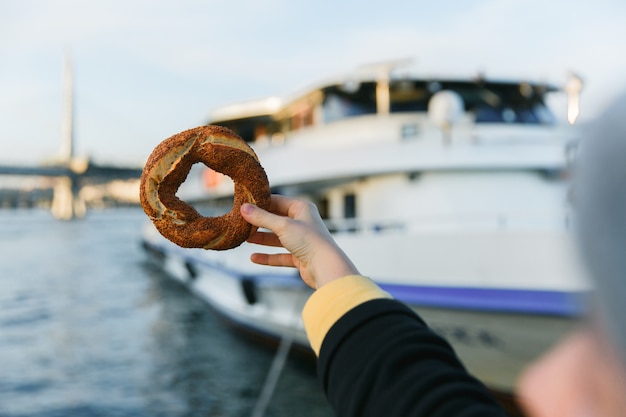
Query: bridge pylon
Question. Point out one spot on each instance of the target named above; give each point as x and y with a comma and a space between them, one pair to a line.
69, 172
67, 203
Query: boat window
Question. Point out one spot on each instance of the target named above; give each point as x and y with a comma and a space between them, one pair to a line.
408, 96
490, 102
323, 207
301, 118
341, 103
349, 206
539, 114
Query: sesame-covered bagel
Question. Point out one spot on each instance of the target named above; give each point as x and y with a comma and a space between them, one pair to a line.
167, 168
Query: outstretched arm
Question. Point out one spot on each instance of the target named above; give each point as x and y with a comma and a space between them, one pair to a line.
376, 356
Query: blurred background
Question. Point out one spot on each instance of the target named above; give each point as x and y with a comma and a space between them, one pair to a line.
145, 70
87, 326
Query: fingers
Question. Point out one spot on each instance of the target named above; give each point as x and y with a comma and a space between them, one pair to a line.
281, 208
275, 259
265, 239
282, 205
294, 209
291, 207
279, 204
259, 217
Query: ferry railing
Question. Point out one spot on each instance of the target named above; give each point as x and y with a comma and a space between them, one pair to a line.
496, 221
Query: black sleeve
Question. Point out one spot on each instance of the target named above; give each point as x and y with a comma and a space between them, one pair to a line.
381, 360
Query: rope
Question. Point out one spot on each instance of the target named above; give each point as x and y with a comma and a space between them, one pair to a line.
276, 369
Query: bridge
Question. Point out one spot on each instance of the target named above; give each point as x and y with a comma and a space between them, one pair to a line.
71, 173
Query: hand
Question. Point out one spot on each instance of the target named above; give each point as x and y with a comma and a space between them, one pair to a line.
297, 226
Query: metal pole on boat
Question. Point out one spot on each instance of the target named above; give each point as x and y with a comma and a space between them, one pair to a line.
383, 76
573, 87
383, 100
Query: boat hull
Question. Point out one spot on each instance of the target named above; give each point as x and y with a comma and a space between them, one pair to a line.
495, 331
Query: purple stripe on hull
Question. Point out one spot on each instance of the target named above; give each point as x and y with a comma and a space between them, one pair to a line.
490, 299
519, 301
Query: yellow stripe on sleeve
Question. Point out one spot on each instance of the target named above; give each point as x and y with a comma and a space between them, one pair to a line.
329, 303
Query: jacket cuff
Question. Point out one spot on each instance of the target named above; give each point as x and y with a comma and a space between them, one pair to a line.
329, 303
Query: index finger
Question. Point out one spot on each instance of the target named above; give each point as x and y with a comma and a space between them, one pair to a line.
280, 204
264, 238
287, 206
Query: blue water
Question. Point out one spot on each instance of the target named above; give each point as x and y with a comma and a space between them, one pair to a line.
89, 328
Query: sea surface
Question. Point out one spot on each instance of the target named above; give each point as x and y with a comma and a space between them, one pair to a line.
88, 327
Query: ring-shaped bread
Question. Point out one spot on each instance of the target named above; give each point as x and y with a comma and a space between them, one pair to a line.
167, 168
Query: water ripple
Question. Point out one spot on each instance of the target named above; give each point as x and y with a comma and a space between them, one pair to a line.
88, 328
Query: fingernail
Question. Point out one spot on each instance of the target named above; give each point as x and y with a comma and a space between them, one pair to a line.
247, 208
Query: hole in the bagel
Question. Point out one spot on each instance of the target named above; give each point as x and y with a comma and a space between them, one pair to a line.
213, 207
207, 191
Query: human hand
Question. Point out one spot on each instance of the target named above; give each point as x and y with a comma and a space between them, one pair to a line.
297, 226
583, 375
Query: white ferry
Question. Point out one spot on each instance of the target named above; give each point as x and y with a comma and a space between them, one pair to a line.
450, 193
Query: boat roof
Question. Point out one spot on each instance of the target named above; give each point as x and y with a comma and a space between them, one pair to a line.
270, 105
250, 108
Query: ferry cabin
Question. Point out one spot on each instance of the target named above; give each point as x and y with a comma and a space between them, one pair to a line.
446, 134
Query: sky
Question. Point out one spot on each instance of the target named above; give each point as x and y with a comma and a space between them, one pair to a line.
147, 69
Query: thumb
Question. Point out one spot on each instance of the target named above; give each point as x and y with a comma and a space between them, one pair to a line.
259, 217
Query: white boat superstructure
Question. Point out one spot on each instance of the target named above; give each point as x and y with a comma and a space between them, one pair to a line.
451, 194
